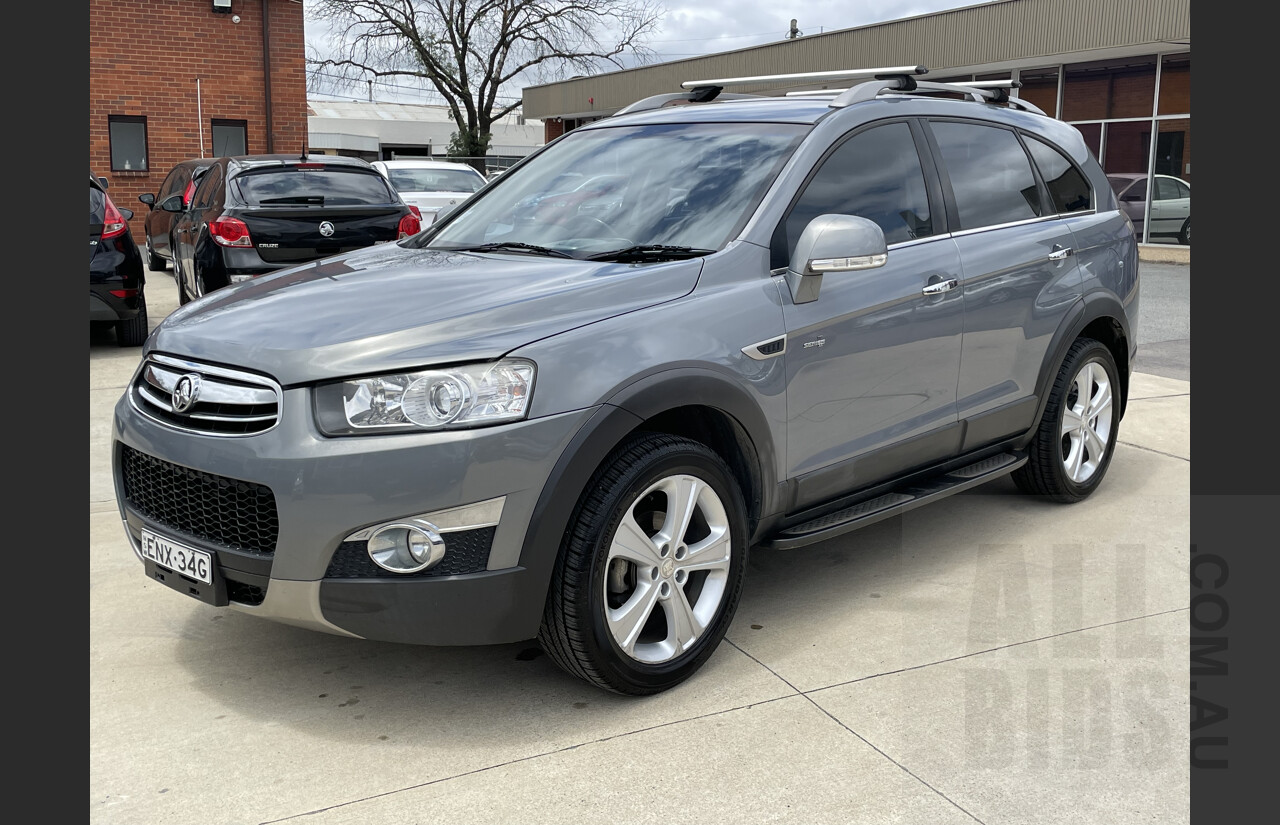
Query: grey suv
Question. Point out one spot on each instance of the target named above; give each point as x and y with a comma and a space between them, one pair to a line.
570, 417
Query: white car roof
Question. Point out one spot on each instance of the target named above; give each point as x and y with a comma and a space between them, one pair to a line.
409, 163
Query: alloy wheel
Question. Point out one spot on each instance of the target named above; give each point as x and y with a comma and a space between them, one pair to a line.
1086, 422
667, 569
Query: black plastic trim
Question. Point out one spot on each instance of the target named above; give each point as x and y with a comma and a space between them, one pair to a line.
479, 609
871, 468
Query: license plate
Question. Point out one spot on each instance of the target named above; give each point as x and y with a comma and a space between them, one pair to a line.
188, 561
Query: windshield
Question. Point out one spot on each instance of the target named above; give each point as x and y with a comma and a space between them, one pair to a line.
435, 180
690, 186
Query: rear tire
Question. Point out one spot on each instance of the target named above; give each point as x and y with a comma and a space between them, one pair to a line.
1184, 234
1073, 445
132, 332
651, 567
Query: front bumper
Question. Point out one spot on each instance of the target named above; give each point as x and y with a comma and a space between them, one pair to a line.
326, 489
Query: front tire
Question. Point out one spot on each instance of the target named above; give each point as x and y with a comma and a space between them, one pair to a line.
651, 568
154, 262
1077, 435
1184, 234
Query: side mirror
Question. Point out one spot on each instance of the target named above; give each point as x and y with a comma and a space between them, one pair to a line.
444, 210
127, 213
173, 203
833, 243
149, 199
103, 182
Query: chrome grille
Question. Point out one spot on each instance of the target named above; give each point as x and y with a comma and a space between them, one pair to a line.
229, 402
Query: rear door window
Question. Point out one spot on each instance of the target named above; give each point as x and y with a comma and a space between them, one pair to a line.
317, 187
990, 174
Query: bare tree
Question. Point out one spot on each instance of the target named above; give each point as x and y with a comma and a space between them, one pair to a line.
474, 51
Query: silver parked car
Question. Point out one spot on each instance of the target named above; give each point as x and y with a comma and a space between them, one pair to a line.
431, 185
797, 316
1170, 204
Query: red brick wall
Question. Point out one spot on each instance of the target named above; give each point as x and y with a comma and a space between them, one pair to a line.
144, 57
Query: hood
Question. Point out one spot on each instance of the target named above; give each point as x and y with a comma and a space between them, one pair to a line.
386, 308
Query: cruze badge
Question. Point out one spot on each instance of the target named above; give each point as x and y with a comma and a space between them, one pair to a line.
186, 392
326, 228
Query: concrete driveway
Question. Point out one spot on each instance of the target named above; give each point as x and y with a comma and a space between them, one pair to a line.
989, 658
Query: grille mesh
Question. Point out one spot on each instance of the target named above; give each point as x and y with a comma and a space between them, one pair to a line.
225, 511
466, 551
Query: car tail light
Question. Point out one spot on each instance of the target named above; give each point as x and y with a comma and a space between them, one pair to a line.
113, 223
309, 166
188, 193
411, 224
229, 232
415, 210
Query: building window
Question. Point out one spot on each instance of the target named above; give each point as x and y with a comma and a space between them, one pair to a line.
230, 137
128, 135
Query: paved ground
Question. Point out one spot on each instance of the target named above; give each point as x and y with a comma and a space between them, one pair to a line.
988, 658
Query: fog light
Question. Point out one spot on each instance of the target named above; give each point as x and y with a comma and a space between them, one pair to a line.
406, 547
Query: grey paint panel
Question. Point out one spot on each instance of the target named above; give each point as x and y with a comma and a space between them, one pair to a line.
1015, 298
324, 320
326, 489
873, 360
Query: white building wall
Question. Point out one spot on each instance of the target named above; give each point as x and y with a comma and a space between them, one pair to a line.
370, 125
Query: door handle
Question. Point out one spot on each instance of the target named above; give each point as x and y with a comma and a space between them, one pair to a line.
1060, 253
940, 287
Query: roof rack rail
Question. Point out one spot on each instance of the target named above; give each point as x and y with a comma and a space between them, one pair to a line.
702, 94
704, 91
888, 79
840, 74
982, 91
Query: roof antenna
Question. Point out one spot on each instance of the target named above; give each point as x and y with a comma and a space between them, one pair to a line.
304, 152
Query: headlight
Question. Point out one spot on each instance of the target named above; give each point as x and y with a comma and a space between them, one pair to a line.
448, 398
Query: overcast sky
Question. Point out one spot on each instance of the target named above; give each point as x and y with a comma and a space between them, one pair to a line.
690, 29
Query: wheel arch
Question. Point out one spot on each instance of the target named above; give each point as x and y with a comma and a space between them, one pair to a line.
1101, 317
699, 404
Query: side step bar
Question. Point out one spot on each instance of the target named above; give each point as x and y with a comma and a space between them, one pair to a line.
895, 503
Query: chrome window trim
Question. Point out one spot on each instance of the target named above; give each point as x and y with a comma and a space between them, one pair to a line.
995, 226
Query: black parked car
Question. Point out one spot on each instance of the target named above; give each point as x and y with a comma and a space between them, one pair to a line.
254, 214
116, 281
179, 185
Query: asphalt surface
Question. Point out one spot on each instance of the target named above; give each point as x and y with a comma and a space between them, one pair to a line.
988, 658
1164, 320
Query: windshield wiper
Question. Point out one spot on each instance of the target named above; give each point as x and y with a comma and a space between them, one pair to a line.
649, 252
510, 246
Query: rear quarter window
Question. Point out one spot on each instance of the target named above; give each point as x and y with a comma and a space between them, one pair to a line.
1068, 187
329, 187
